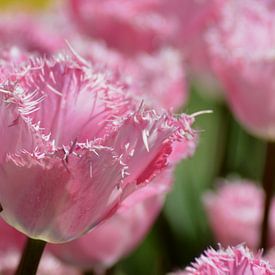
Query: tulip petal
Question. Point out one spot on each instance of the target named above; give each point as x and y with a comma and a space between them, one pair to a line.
60, 197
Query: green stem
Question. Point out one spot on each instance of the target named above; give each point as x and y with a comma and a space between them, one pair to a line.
110, 271
31, 256
268, 184
89, 272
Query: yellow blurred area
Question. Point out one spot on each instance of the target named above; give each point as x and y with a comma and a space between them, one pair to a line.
24, 4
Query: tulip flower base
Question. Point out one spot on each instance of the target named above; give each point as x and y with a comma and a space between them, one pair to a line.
268, 185
31, 257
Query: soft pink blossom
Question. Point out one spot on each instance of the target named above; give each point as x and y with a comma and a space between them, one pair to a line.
157, 78
130, 26
193, 18
237, 260
75, 145
190, 17
31, 33
235, 213
241, 45
11, 247
118, 236
133, 26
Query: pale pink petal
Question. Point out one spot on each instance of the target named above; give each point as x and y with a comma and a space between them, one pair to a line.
191, 17
118, 236
144, 139
29, 33
71, 101
158, 78
18, 133
66, 197
137, 25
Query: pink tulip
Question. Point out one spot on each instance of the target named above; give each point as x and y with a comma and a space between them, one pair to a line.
230, 261
130, 26
191, 17
143, 25
235, 213
157, 78
241, 46
74, 146
11, 246
30, 33
117, 237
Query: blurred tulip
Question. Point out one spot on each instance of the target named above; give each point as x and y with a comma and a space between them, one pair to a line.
152, 77
117, 237
157, 78
30, 33
190, 17
239, 206
11, 246
241, 45
129, 26
74, 146
144, 25
231, 261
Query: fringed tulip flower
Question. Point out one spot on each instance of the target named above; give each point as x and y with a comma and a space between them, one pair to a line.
239, 206
11, 246
237, 260
117, 237
75, 146
241, 45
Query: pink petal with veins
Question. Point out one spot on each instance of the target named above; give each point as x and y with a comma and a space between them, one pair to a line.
118, 236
